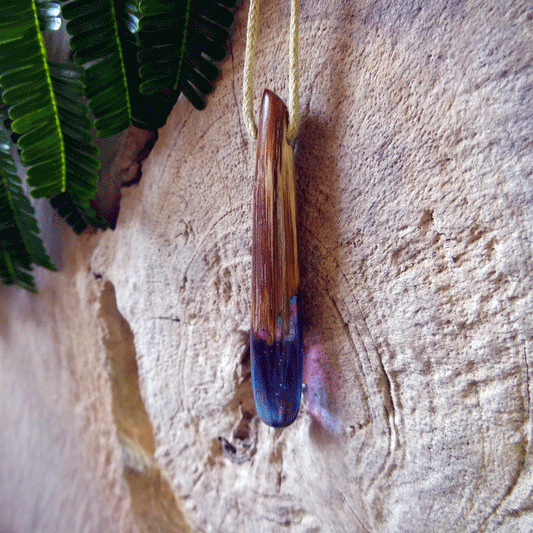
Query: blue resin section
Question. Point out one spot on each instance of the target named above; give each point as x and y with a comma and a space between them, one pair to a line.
277, 372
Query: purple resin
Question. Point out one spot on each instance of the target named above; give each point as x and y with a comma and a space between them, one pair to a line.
277, 371
321, 383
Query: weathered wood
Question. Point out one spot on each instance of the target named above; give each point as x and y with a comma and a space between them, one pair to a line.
414, 164
415, 251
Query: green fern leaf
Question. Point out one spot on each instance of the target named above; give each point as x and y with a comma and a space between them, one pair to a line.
20, 244
179, 41
78, 213
105, 31
101, 31
45, 107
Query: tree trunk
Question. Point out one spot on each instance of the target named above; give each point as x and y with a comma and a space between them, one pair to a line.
415, 227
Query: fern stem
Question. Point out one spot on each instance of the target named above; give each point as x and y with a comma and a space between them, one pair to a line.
53, 98
121, 53
184, 41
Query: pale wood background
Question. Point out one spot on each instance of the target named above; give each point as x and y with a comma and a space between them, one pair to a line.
125, 382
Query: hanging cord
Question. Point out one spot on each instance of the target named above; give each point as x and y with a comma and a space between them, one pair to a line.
249, 69
294, 73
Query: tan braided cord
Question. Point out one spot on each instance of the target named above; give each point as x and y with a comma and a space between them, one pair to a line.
249, 70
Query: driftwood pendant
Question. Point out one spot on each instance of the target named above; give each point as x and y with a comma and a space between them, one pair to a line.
276, 339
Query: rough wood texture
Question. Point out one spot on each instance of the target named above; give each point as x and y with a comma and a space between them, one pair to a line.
414, 166
76, 444
275, 274
60, 459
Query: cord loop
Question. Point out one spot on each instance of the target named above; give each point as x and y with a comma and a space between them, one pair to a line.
249, 70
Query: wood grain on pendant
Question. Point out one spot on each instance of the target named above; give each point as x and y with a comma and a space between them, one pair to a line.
276, 341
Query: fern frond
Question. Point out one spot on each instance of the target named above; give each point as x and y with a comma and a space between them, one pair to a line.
78, 213
102, 31
80, 151
45, 107
105, 32
179, 41
20, 244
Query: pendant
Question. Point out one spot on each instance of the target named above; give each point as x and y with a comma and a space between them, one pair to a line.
276, 348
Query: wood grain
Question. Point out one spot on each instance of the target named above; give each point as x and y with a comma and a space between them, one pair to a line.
275, 274
415, 247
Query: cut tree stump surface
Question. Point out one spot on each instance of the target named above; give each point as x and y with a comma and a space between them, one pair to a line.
414, 199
